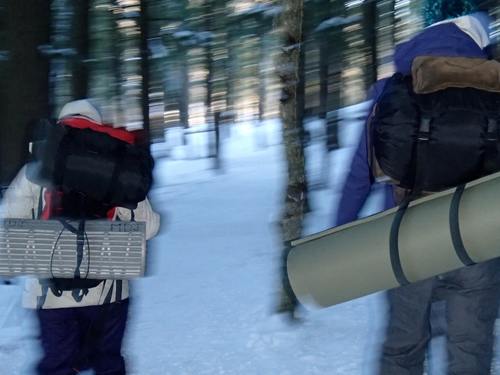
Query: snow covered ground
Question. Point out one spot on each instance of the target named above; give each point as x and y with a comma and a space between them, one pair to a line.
206, 306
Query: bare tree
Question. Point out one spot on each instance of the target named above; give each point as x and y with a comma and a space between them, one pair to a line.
370, 37
295, 205
80, 34
144, 26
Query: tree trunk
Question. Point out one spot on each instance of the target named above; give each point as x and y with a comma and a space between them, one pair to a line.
295, 202
117, 69
324, 57
334, 101
262, 74
392, 23
26, 96
232, 42
220, 97
145, 69
370, 36
301, 86
331, 47
183, 97
208, 83
80, 33
210, 8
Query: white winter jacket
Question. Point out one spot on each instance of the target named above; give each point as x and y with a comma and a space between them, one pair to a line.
21, 201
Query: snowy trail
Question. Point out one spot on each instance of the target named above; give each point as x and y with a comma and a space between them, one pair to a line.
213, 284
205, 307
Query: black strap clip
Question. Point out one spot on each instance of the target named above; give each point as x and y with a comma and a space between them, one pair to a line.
492, 132
424, 129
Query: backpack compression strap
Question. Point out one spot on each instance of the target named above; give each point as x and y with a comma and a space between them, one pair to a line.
397, 269
416, 174
51, 209
456, 236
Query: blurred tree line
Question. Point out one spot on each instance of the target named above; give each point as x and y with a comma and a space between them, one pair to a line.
155, 64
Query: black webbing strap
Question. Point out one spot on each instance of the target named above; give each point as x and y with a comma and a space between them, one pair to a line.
78, 294
491, 147
456, 236
420, 155
68, 226
56, 290
416, 171
40, 205
394, 244
415, 175
80, 243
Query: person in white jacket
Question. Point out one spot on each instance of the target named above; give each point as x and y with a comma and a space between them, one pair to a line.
85, 332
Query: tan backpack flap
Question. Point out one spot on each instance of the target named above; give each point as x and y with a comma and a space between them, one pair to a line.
431, 74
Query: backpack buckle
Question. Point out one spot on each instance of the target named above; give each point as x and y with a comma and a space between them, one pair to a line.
492, 132
424, 129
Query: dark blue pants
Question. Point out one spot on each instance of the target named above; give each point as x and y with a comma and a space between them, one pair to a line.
75, 339
471, 295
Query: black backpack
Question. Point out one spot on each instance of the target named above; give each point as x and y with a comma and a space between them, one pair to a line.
431, 142
101, 163
90, 169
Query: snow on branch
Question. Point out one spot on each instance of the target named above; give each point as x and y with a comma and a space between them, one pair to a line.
266, 10
336, 22
49, 50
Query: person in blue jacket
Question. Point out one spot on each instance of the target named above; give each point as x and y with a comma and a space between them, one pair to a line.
471, 294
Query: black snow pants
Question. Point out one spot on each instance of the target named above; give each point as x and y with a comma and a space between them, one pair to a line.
471, 297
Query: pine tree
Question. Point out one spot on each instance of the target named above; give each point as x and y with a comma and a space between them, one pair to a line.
439, 10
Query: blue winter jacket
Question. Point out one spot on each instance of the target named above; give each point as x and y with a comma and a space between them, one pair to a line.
441, 40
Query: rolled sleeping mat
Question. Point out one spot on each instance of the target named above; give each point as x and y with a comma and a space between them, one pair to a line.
431, 236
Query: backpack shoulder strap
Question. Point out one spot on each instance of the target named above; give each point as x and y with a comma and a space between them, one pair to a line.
40, 204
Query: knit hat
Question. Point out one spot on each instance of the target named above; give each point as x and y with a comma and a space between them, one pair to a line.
83, 107
440, 10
